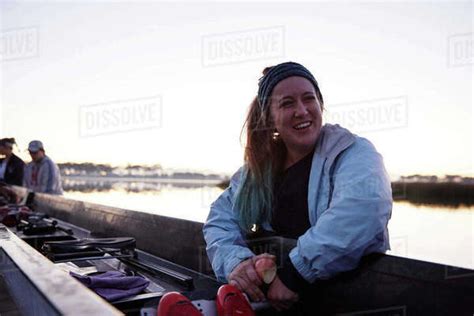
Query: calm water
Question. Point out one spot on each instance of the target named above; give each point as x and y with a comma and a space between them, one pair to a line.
437, 234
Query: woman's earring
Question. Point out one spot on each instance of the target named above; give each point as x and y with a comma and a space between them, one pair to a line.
275, 135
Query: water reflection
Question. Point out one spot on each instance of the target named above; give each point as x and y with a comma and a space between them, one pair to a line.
432, 233
435, 234
185, 200
435, 195
129, 185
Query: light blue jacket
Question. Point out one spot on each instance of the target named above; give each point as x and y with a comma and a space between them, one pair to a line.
48, 177
349, 202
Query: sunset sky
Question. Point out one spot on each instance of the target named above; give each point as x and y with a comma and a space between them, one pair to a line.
170, 84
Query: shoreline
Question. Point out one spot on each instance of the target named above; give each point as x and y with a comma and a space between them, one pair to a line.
451, 194
142, 179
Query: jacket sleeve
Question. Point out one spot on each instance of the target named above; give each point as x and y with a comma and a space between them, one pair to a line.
225, 244
46, 178
50, 178
355, 222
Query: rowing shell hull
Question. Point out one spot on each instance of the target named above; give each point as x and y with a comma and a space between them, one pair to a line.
382, 285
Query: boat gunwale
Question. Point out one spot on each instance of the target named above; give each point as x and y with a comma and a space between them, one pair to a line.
65, 294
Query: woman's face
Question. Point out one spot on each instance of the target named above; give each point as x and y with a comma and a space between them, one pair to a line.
297, 114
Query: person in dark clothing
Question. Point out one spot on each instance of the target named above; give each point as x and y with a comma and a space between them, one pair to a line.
11, 166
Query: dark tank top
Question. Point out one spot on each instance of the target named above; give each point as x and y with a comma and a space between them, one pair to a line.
290, 217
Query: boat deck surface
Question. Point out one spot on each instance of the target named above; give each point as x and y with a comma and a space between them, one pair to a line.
7, 305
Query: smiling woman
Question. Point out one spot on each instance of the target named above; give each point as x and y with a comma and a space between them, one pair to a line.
297, 115
322, 185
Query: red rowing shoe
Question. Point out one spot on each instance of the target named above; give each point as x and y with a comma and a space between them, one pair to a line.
176, 304
230, 302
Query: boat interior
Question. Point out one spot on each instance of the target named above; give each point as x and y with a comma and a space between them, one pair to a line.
62, 235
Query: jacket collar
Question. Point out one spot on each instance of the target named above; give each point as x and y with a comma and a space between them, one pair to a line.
332, 140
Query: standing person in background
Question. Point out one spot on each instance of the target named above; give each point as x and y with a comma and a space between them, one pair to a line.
42, 174
11, 166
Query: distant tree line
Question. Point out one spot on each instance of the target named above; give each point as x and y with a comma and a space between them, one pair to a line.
69, 168
435, 179
87, 186
104, 170
452, 190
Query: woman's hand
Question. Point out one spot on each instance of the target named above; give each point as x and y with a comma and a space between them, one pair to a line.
280, 296
245, 278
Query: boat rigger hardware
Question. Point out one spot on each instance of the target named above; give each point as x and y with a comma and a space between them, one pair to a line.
40, 224
122, 248
184, 280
